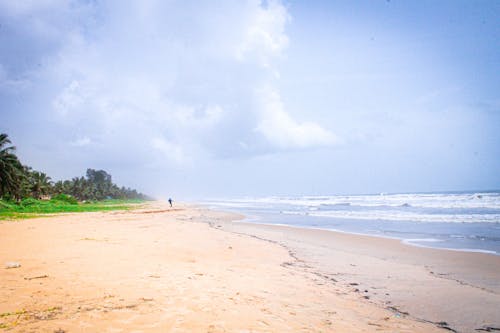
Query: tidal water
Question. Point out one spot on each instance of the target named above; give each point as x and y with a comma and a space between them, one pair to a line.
466, 221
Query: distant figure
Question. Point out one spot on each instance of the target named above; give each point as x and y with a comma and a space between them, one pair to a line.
170, 201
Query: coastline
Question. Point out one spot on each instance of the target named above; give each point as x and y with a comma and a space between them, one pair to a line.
192, 269
430, 284
464, 221
409, 242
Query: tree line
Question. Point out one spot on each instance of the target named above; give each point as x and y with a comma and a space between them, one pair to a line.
18, 181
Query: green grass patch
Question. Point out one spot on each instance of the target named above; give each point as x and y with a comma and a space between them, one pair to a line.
16, 313
29, 208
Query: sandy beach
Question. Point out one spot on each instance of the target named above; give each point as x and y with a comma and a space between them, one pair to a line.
189, 269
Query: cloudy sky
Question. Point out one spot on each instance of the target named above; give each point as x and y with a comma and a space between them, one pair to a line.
195, 99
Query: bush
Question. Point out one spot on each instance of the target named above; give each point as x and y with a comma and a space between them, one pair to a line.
29, 202
64, 198
5, 205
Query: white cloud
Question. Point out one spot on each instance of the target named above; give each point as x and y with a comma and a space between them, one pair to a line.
169, 85
199, 117
169, 150
181, 77
264, 37
284, 132
81, 142
69, 99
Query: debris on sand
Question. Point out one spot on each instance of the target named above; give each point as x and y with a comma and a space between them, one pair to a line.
12, 264
36, 277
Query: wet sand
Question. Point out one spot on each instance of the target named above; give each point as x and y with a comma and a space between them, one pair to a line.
453, 289
192, 270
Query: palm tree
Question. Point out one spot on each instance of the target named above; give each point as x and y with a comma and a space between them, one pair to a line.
77, 187
10, 168
58, 187
41, 184
26, 182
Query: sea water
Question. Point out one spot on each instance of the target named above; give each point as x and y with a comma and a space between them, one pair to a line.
467, 221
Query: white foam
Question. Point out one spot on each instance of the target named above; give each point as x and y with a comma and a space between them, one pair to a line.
426, 240
439, 207
408, 216
438, 200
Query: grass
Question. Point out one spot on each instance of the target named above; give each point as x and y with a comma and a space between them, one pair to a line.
23, 315
6, 314
29, 208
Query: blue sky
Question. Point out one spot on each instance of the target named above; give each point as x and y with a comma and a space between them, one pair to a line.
192, 99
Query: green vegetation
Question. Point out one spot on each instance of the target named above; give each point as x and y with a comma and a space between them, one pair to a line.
22, 190
10, 167
29, 208
16, 313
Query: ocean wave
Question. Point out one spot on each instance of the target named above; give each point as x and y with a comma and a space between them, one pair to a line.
487, 200
401, 216
437, 207
422, 240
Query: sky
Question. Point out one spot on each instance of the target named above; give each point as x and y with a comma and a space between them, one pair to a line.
204, 99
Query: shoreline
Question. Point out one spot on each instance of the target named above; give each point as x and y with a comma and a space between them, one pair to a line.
468, 277
402, 240
256, 219
158, 269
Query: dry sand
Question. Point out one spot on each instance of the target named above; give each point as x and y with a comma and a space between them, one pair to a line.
192, 270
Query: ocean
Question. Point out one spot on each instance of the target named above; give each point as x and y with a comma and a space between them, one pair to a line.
466, 221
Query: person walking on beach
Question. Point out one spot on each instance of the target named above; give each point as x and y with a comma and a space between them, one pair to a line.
170, 201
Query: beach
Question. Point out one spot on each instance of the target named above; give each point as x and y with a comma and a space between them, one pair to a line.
191, 269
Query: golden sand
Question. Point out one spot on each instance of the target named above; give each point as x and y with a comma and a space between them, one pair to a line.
176, 270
